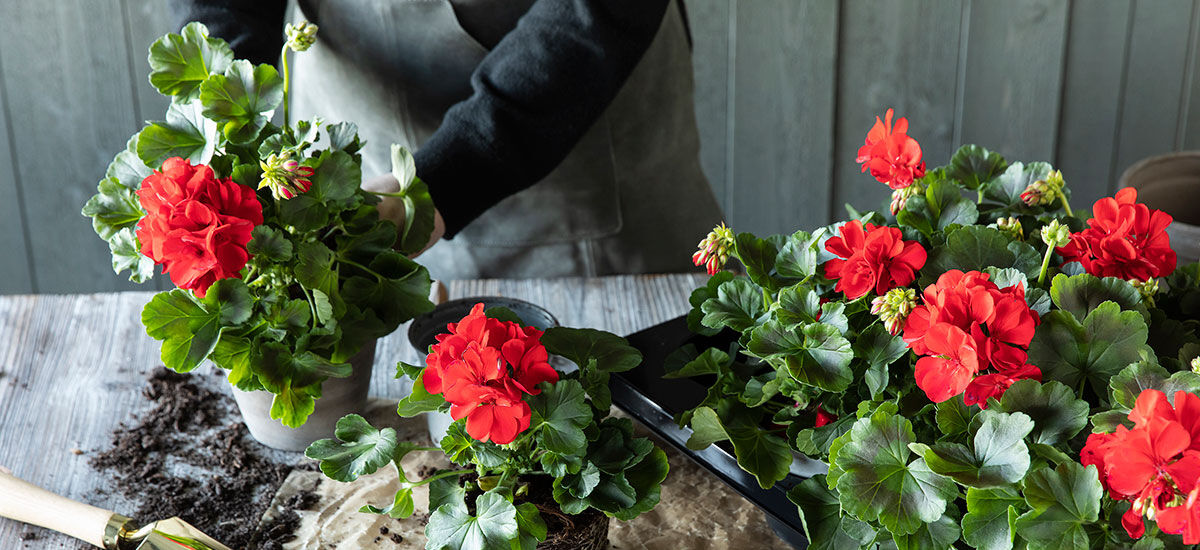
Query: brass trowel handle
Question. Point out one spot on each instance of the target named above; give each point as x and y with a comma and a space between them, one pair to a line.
28, 503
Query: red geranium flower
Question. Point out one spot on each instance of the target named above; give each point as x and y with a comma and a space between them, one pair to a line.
823, 417
1154, 464
893, 157
196, 225
484, 367
1124, 239
877, 258
974, 337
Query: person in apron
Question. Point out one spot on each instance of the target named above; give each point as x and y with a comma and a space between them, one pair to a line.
524, 193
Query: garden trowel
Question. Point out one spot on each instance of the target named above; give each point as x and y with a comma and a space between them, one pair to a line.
28, 503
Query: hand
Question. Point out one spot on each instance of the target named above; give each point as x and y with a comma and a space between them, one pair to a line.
392, 208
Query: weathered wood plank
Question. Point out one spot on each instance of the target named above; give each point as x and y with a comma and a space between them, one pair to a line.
1154, 82
16, 275
1091, 99
902, 55
710, 25
784, 100
1013, 76
71, 108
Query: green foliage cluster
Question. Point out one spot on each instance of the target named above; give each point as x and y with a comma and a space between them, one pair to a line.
323, 280
905, 472
590, 460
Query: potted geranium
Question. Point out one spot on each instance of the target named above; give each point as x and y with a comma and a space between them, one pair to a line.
985, 369
543, 463
285, 272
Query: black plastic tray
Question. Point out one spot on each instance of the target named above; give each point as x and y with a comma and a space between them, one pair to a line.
654, 401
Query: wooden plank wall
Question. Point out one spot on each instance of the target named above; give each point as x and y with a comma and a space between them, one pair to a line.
785, 92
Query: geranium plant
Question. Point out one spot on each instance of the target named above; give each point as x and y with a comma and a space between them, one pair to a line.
531, 441
283, 267
980, 367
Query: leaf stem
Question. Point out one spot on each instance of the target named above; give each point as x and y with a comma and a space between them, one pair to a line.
431, 479
343, 259
312, 305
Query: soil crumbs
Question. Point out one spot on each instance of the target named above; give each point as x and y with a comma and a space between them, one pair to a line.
192, 457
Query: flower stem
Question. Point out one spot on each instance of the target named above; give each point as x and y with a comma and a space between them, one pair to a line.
980, 199
286, 80
1066, 204
1045, 264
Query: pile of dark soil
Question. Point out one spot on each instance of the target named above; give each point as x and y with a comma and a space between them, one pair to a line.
191, 457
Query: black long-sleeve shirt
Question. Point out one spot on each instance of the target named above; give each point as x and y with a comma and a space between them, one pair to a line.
533, 97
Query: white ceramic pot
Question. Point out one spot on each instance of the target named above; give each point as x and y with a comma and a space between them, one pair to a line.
1171, 183
339, 397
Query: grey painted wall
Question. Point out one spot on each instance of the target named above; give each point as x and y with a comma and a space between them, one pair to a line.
786, 90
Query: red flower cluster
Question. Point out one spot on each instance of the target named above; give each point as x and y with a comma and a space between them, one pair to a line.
974, 337
892, 156
877, 258
1125, 239
484, 367
1154, 465
196, 225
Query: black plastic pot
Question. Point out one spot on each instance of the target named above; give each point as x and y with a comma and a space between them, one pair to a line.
654, 401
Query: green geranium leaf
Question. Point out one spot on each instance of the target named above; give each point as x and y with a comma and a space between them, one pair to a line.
240, 99
610, 352
233, 354
402, 505
1056, 412
997, 458
802, 304
126, 168
314, 267
335, 181
646, 477
418, 218
493, 527
970, 248
180, 62
712, 361
359, 449
954, 416
946, 203
1006, 188
185, 133
230, 300
595, 383
419, 400
816, 442
738, 305
501, 313
343, 136
270, 243
114, 207
292, 406
560, 413
758, 256
942, 533
877, 482
1107, 341
1080, 294
303, 212
879, 349
126, 254
188, 332
1141, 376
797, 259
825, 526
816, 354
1064, 500
973, 166
706, 429
986, 525
760, 389
530, 525
399, 293
701, 295
559, 465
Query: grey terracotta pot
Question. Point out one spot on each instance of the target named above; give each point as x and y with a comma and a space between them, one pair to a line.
1171, 183
339, 397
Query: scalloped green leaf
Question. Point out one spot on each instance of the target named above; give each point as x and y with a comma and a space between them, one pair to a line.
188, 332
986, 525
797, 258
493, 527
825, 526
877, 482
816, 354
360, 449
997, 457
711, 361
737, 305
1138, 377
610, 352
1056, 412
270, 243
973, 166
180, 62
240, 99
701, 295
1064, 500
1094, 351
1081, 294
185, 133
758, 257
560, 412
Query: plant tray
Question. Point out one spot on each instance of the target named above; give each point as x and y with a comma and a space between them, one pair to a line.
654, 401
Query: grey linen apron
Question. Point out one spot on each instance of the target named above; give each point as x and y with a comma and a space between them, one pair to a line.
629, 198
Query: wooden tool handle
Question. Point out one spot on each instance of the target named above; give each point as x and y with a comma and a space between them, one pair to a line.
28, 503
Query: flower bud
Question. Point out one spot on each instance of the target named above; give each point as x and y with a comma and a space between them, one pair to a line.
1196, 365
894, 307
900, 196
300, 36
285, 176
1147, 288
1043, 192
714, 249
1055, 234
1011, 227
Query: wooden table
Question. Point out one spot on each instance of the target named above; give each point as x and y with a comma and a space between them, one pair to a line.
72, 367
